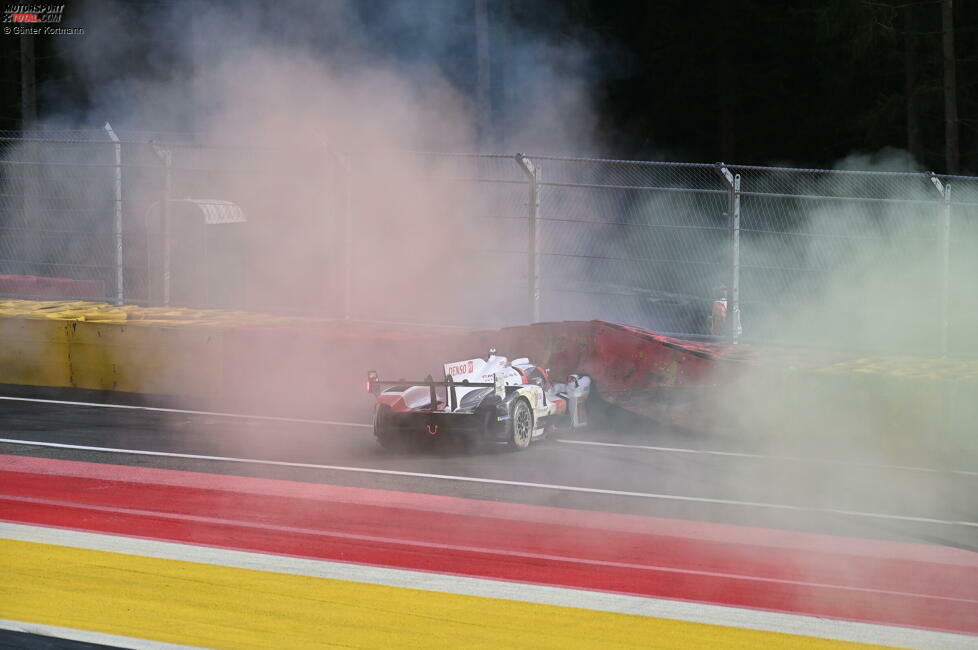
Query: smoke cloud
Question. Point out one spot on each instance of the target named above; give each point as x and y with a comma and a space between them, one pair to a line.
318, 111
859, 376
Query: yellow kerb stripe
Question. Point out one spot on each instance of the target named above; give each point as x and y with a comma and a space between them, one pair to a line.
216, 606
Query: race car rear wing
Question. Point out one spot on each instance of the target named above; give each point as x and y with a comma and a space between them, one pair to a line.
374, 384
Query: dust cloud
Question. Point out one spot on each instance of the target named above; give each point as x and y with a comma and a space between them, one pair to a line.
322, 123
863, 295
321, 130
846, 372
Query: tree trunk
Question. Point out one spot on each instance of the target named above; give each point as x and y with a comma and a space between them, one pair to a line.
28, 83
482, 51
34, 252
911, 93
727, 109
951, 143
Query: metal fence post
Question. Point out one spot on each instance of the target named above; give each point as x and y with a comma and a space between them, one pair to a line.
119, 260
165, 155
944, 254
533, 257
732, 181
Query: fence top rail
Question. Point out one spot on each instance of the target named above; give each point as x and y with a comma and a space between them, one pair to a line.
737, 167
479, 179
956, 177
616, 161
174, 139
449, 154
840, 197
636, 188
849, 172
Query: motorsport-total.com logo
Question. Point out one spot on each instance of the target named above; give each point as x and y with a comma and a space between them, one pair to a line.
35, 19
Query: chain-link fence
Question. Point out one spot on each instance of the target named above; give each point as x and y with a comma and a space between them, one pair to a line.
59, 203
827, 253
165, 221
642, 243
878, 259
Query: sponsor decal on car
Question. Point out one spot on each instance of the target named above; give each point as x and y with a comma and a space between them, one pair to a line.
460, 368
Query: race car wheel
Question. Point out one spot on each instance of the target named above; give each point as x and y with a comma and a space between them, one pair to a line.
522, 429
387, 439
391, 442
472, 443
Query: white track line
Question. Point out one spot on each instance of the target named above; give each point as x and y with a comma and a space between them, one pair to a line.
86, 636
518, 555
158, 409
487, 588
794, 459
491, 481
574, 442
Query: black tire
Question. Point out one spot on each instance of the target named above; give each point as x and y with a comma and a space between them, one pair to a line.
473, 443
387, 439
521, 429
390, 442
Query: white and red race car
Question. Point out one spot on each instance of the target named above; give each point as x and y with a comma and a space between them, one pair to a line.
479, 400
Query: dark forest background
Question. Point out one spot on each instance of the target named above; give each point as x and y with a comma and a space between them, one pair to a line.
802, 83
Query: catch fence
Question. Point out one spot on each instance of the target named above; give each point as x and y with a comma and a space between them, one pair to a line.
741, 253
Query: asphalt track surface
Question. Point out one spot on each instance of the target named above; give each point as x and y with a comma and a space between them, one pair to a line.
24, 641
633, 467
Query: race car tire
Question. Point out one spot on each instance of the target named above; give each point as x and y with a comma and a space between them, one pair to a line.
521, 430
387, 439
471, 443
391, 442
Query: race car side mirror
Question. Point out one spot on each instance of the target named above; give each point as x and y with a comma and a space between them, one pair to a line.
372, 386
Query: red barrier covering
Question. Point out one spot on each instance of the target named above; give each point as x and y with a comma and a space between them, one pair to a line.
35, 285
303, 372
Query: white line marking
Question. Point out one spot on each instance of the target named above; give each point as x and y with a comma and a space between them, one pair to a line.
317, 532
492, 481
684, 450
158, 409
483, 587
796, 459
85, 636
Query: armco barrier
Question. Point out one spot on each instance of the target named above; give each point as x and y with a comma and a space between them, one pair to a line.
144, 358
308, 368
292, 365
35, 352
